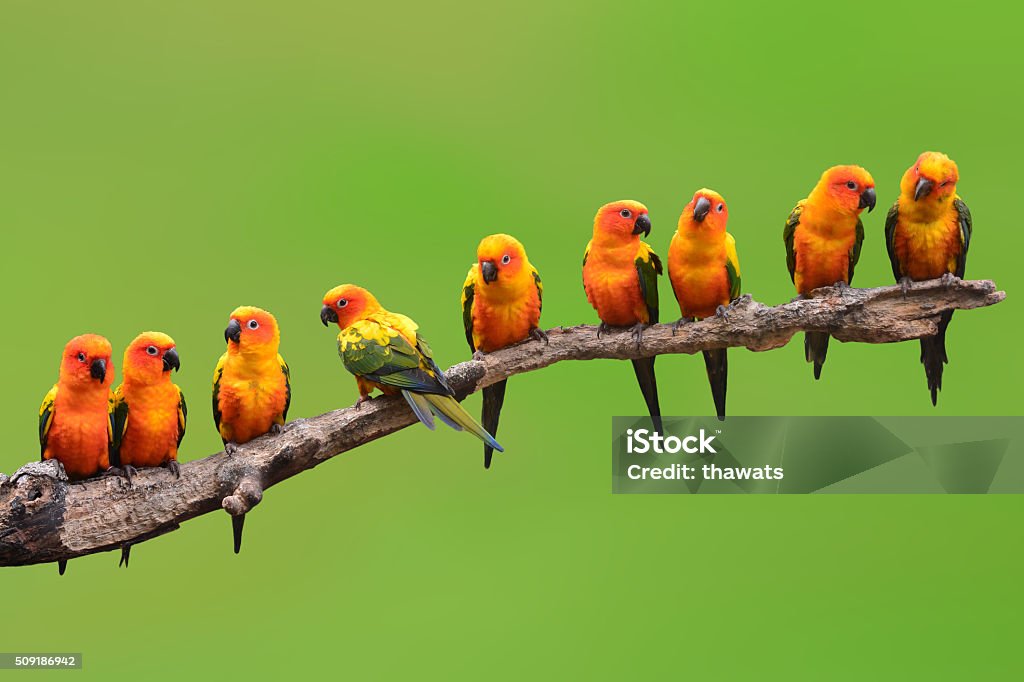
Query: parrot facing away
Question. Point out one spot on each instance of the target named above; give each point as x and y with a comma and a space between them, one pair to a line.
501, 304
705, 274
927, 233
384, 351
251, 385
149, 410
823, 238
620, 278
76, 425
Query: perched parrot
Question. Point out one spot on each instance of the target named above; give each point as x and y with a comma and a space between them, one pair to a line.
823, 238
149, 410
251, 385
76, 419
705, 274
927, 233
620, 278
384, 351
501, 302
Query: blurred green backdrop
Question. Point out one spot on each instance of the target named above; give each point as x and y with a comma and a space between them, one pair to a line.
161, 163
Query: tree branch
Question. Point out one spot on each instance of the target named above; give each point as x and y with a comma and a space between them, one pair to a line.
44, 518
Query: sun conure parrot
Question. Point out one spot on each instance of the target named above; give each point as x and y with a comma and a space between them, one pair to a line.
823, 237
620, 277
149, 410
251, 385
384, 351
705, 274
501, 302
927, 233
76, 419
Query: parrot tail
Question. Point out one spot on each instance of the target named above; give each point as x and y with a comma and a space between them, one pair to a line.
126, 551
644, 370
933, 356
717, 363
494, 397
448, 410
815, 349
236, 527
61, 567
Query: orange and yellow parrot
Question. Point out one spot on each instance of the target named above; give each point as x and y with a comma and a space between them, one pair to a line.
620, 277
823, 238
76, 418
384, 351
251, 385
705, 274
927, 234
501, 302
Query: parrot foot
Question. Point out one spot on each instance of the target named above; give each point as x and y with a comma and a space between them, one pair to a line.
603, 329
722, 312
841, 286
231, 448
363, 399
948, 279
679, 324
276, 429
538, 334
479, 355
638, 333
174, 468
905, 284
127, 472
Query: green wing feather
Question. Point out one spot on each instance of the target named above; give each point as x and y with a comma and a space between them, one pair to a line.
287, 387
966, 230
468, 293
182, 415
540, 290
46, 413
858, 241
648, 267
217, 373
789, 237
394, 363
890, 240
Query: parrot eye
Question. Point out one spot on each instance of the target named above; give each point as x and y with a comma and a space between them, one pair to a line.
625, 213
720, 208
81, 357
851, 185
152, 350
342, 302
253, 324
505, 259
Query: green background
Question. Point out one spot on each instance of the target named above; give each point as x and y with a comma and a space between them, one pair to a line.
162, 163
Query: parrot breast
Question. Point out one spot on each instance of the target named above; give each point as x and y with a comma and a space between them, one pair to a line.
250, 405
79, 437
698, 274
151, 434
927, 250
497, 324
613, 286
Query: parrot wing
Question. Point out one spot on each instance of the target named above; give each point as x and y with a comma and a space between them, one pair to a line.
891, 219
540, 288
287, 387
732, 267
374, 352
217, 373
966, 229
113, 432
46, 413
858, 241
648, 267
120, 423
182, 415
468, 293
789, 236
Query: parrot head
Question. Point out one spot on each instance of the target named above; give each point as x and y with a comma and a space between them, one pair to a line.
501, 258
850, 189
253, 331
150, 357
707, 210
932, 178
86, 362
621, 221
346, 304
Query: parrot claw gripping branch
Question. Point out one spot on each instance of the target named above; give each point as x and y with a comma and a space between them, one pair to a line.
46, 518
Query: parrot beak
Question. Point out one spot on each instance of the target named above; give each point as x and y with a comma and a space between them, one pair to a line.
234, 331
701, 209
868, 199
327, 315
924, 188
98, 369
489, 270
642, 224
171, 360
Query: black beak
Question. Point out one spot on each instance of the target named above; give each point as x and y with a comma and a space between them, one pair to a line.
171, 360
701, 209
98, 369
489, 270
642, 224
328, 315
868, 199
234, 331
924, 188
